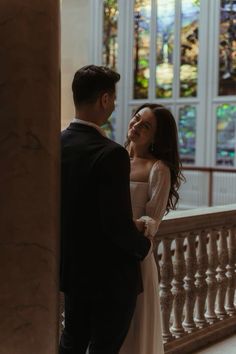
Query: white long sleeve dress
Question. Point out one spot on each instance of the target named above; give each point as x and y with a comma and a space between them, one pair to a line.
149, 200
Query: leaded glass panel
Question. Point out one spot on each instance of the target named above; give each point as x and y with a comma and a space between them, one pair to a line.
189, 47
142, 18
165, 44
110, 125
227, 48
110, 32
226, 135
187, 133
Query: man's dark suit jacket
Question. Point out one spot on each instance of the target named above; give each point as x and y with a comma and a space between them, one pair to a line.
100, 245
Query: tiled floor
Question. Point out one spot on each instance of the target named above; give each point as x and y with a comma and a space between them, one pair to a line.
227, 346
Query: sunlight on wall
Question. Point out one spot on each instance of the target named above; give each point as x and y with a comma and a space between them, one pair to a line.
75, 29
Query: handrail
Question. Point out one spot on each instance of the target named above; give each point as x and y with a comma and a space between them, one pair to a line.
211, 171
208, 169
194, 219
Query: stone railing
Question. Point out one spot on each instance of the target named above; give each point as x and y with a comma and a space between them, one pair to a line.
196, 256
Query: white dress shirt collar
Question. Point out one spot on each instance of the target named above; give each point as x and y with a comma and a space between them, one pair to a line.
90, 124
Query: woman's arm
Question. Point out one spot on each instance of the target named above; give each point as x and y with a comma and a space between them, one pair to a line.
159, 188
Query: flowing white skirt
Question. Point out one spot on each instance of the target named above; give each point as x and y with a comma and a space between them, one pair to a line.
145, 333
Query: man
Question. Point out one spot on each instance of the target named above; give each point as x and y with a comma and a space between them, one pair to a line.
100, 245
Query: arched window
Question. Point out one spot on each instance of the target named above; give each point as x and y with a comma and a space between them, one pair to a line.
180, 53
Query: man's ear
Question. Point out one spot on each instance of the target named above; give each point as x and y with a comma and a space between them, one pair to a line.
104, 99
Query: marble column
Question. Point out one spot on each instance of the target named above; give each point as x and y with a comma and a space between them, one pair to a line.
29, 175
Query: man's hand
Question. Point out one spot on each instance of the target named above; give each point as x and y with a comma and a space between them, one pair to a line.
140, 225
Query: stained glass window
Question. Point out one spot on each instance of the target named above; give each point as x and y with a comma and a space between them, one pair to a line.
165, 44
187, 133
176, 42
110, 32
227, 48
110, 50
189, 47
226, 135
142, 17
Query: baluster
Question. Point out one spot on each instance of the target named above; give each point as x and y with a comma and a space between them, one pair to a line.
190, 289
211, 277
156, 256
166, 297
221, 274
201, 285
178, 287
229, 306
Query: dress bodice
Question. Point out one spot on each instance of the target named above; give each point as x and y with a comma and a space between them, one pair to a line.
139, 198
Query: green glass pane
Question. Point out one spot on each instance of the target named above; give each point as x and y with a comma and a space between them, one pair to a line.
109, 126
187, 133
142, 18
226, 135
165, 44
227, 48
189, 47
110, 32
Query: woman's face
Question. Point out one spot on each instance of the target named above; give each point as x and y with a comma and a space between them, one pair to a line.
142, 127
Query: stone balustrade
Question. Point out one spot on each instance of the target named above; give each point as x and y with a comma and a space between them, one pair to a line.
196, 256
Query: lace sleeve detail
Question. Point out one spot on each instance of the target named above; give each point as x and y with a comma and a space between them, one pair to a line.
159, 188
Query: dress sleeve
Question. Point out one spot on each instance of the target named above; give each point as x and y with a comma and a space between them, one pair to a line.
159, 188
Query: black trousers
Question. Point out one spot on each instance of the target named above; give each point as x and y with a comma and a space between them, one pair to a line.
98, 322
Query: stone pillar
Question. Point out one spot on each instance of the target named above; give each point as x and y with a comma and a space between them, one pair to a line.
29, 177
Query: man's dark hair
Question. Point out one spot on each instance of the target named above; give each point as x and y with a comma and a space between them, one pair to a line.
90, 81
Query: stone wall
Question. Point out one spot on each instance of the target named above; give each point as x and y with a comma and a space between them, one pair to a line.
75, 36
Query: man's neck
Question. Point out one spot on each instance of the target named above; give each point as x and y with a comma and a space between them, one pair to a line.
88, 117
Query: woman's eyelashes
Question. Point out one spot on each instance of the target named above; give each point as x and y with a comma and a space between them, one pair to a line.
137, 118
146, 125
141, 124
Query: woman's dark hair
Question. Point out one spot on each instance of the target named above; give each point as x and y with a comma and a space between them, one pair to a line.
90, 81
165, 148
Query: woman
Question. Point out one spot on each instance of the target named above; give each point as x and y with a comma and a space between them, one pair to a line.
155, 179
